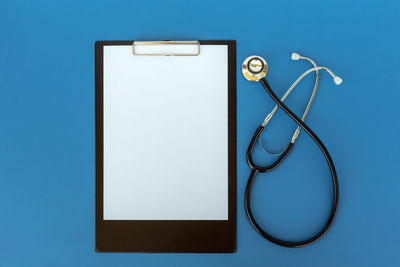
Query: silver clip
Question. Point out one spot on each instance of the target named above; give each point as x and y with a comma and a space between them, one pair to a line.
135, 44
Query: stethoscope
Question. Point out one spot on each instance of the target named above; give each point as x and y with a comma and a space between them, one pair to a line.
254, 68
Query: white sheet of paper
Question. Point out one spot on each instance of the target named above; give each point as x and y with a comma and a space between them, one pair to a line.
166, 135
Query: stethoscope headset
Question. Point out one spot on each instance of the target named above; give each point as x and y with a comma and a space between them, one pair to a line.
254, 68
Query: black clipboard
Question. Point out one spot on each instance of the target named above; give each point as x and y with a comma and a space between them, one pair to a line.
165, 235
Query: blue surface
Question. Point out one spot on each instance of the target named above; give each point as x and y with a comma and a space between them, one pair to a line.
47, 126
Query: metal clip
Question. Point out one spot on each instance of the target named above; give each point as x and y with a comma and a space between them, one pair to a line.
135, 44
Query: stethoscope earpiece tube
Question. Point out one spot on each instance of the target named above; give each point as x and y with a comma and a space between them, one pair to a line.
253, 141
256, 169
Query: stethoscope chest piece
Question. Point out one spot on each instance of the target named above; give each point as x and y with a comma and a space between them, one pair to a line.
254, 68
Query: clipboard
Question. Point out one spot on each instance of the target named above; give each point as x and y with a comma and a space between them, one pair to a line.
165, 146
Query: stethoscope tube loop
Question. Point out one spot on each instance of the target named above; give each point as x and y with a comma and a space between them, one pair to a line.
255, 169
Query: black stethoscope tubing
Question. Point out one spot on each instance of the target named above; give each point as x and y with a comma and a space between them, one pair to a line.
256, 169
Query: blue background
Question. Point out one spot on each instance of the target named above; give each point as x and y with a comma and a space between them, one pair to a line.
47, 126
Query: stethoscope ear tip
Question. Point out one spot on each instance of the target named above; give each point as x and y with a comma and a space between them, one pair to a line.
254, 68
337, 80
295, 56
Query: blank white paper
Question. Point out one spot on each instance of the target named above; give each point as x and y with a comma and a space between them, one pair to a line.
166, 135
